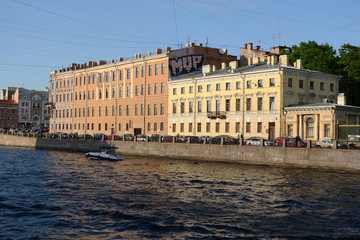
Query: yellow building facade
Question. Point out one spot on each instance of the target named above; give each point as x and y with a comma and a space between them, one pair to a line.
246, 101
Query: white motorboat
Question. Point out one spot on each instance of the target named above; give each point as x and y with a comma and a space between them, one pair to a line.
104, 155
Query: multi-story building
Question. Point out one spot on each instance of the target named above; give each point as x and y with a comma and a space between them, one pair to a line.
246, 100
31, 108
123, 96
8, 114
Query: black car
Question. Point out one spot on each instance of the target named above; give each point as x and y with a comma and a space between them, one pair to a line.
193, 139
154, 138
228, 140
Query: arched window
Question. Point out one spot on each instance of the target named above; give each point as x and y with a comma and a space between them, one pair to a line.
310, 127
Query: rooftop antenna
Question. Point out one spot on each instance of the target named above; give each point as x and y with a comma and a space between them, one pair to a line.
207, 41
279, 39
188, 39
273, 37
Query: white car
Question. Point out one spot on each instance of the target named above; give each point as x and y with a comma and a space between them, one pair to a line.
255, 141
329, 143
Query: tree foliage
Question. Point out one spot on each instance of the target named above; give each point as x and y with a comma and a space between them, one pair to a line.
316, 57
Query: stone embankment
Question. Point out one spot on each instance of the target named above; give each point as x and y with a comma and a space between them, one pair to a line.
329, 159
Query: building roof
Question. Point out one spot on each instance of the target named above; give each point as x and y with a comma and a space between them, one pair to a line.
322, 106
8, 102
245, 69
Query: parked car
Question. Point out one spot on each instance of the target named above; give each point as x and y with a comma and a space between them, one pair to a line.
154, 138
97, 136
193, 139
115, 137
205, 137
227, 140
255, 141
279, 141
166, 138
329, 143
293, 142
141, 138
128, 137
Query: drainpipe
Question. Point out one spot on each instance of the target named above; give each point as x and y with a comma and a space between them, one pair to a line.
86, 99
144, 97
195, 105
116, 97
243, 76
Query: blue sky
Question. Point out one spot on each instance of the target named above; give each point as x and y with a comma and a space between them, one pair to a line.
38, 36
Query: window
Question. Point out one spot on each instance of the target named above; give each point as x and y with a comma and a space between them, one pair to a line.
100, 97
128, 91
199, 106
161, 126
260, 83
208, 127
156, 69
259, 127
217, 105
142, 71
128, 75
149, 88
237, 104
191, 89
113, 111
182, 90
107, 76
174, 127
199, 127
218, 87
150, 70
142, 109
99, 112
121, 75
174, 91
149, 109
162, 87
181, 127
155, 109
99, 126
155, 126
227, 105
106, 93
101, 78
127, 110
208, 87
136, 90
190, 127
217, 127
182, 107
156, 88
248, 104
290, 82
174, 107
162, 109
149, 126
272, 103
272, 82
142, 89
290, 130
248, 127
227, 127
113, 75
248, 84
327, 130
163, 68
301, 83
191, 107
260, 103
311, 85
237, 127
208, 105
238, 85
200, 89
310, 127
322, 86
331, 87
136, 109
137, 72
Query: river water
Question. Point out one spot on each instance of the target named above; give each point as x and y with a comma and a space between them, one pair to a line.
59, 195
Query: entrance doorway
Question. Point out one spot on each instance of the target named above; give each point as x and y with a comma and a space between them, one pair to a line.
271, 131
137, 131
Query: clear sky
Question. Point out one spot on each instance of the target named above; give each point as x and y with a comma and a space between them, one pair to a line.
38, 36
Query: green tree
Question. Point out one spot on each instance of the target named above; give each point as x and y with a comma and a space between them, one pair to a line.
316, 57
349, 63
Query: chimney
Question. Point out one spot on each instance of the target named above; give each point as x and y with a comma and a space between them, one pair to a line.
341, 99
257, 48
135, 56
112, 60
249, 46
192, 44
234, 64
158, 51
121, 59
102, 62
214, 68
200, 44
223, 65
206, 69
187, 45
274, 60
268, 60
284, 60
168, 49
299, 64
149, 54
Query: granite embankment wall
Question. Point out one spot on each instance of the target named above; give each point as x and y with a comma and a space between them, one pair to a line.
332, 159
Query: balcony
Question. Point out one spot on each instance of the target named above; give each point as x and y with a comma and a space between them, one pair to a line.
216, 114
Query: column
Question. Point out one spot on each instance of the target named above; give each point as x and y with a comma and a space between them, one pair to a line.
301, 126
316, 127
